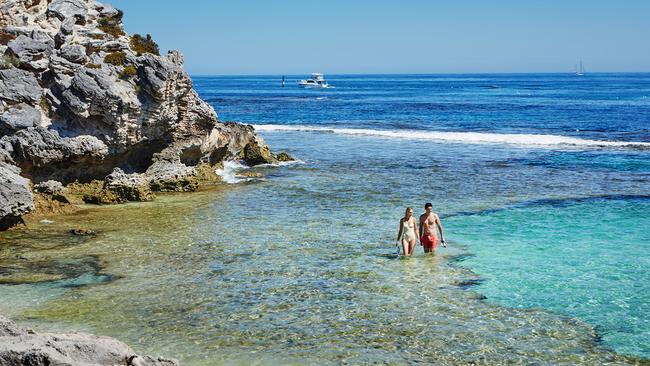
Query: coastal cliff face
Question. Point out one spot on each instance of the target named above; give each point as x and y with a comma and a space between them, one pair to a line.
81, 100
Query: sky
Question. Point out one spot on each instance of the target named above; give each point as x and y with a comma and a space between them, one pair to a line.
241, 37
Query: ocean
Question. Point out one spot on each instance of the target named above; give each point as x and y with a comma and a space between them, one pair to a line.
542, 182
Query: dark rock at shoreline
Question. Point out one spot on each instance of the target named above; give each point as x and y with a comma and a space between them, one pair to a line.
78, 99
82, 232
283, 156
24, 347
128, 187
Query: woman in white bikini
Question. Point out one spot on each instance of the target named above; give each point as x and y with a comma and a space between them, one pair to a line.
407, 231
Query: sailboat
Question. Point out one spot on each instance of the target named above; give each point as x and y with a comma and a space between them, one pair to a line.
581, 70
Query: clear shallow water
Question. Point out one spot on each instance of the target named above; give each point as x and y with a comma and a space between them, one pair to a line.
295, 268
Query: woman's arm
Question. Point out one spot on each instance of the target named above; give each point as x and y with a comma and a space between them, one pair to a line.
399, 233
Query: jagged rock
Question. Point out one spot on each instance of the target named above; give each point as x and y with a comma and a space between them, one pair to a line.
62, 68
41, 149
19, 117
255, 154
52, 191
128, 187
50, 187
172, 177
112, 46
32, 53
65, 33
283, 156
64, 9
24, 347
9, 328
19, 86
74, 53
92, 117
150, 361
16, 198
105, 10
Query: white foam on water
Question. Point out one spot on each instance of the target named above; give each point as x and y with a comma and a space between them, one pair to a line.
531, 140
229, 172
282, 163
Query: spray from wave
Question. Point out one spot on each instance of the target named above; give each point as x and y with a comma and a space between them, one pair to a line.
530, 140
229, 172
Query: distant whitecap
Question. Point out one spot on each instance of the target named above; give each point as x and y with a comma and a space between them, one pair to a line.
529, 140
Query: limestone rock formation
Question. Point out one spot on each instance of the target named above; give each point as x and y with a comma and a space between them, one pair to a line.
79, 97
16, 198
21, 347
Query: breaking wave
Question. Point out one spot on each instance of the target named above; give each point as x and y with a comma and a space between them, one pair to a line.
533, 140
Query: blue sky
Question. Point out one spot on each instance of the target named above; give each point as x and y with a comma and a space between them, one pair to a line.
391, 36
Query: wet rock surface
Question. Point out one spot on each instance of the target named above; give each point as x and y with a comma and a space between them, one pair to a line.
79, 98
25, 347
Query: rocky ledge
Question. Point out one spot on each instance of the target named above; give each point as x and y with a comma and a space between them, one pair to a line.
24, 347
85, 105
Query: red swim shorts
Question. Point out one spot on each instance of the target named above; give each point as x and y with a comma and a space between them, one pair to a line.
429, 243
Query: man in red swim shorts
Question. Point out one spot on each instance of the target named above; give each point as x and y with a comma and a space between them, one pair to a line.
428, 236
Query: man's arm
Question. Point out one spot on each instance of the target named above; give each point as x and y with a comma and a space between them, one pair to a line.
422, 219
439, 224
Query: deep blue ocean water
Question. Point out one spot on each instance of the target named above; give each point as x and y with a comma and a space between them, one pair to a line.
543, 180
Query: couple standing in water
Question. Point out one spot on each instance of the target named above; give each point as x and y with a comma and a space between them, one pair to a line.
408, 229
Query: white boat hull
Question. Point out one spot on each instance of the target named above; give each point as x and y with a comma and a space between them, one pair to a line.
305, 84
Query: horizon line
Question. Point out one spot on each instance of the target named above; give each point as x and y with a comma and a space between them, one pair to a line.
428, 73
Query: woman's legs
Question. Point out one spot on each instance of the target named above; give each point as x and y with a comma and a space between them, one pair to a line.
411, 246
408, 246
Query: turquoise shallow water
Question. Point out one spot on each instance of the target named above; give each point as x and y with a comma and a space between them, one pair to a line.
586, 258
548, 256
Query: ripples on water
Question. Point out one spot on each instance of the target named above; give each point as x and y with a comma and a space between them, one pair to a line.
296, 268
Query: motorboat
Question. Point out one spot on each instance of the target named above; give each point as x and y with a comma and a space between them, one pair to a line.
316, 81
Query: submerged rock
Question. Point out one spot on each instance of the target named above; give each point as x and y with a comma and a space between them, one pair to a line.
82, 232
21, 347
80, 99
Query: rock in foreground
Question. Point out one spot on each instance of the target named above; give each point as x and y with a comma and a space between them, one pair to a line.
24, 347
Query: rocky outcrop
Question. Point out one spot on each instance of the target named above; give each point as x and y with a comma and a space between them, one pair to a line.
24, 347
79, 98
16, 198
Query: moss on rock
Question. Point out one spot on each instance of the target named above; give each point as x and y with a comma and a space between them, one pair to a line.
254, 154
283, 156
93, 192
